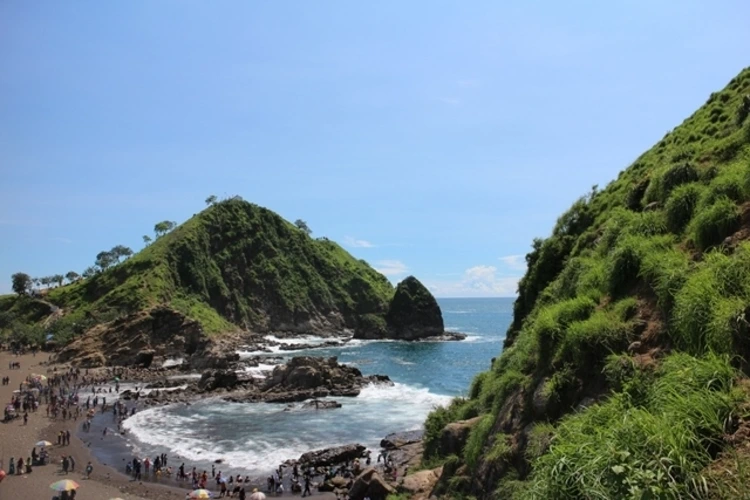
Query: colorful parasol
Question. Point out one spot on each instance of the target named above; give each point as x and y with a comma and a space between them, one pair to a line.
257, 495
64, 485
200, 494
36, 376
43, 443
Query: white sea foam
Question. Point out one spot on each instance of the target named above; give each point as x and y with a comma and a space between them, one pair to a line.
259, 371
256, 437
186, 376
303, 339
171, 362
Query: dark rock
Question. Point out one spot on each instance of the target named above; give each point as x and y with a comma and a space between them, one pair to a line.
320, 405
399, 439
332, 456
216, 379
370, 484
413, 314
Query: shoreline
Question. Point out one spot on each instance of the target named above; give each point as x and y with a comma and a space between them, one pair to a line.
106, 481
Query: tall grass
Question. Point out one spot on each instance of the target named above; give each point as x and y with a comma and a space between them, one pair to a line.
711, 225
681, 206
655, 450
709, 302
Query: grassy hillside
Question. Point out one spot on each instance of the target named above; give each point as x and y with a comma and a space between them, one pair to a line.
234, 265
624, 371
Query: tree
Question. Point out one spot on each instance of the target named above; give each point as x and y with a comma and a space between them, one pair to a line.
21, 283
104, 259
45, 280
146, 239
72, 276
120, 251
36, 281
57, 278
302, 226
211, 200
89, 272
163, 227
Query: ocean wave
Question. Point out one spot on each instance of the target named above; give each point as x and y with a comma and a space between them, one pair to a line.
303, 339
259, 371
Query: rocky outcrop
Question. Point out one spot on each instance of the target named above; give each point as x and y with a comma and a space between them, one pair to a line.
332, 456
136, 340
215, 379
454, 436
420, 484
369, 484
308, 377
413, 314
399, 439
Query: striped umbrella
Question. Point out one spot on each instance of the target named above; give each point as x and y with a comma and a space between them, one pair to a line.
64, 485
200, 494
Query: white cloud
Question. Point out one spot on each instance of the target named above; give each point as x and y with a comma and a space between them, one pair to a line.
514, 262
391, 267
477, 281
352, 242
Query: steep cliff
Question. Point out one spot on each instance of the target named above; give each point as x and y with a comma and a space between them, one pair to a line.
624, 373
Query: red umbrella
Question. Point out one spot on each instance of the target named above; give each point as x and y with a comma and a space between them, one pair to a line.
2, 475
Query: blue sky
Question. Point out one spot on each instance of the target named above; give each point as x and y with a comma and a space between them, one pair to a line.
430, 138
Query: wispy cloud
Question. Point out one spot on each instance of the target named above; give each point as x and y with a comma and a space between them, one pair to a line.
477, 281
352, 242
391, 267
514, 262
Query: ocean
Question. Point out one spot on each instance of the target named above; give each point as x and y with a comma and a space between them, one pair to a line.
254, 438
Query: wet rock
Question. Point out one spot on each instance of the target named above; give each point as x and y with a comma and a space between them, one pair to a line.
332, 456
320, 405
216, 379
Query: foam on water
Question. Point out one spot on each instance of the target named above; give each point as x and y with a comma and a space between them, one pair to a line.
259, 371
171, 362
253, 438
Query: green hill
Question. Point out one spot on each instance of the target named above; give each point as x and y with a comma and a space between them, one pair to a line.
233, 266
624, 373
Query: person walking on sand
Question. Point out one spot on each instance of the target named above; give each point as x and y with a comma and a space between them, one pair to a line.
307, 491
89, 470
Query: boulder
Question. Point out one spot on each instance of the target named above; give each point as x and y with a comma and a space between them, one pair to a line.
420, 482
370, 484
332, 456
454, 435
399, 439
218, 379
320, 405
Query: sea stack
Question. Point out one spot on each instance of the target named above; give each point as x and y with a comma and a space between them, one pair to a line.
413, 314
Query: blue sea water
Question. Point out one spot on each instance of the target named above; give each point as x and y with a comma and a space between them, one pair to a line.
254, 438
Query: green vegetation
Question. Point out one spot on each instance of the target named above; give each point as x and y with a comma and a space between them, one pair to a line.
636, 312
233, 265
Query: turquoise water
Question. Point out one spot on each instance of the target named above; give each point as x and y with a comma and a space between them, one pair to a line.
254, 438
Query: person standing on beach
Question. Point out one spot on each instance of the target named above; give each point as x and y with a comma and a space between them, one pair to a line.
307, 491
89, 470
72, 463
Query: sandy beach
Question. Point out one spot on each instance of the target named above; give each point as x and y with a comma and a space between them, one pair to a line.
17, 440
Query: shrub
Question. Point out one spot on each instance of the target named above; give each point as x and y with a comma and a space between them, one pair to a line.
657, 449
664, 182
712, 225
624, 265
681, 206
477, 439
587, 343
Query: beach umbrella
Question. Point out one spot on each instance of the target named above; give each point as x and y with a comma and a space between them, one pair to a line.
2, 475
200, 494
36, 376
64, 485
43, 443
257, 495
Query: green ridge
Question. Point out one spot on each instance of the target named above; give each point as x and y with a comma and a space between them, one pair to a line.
636, 307
233, 265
